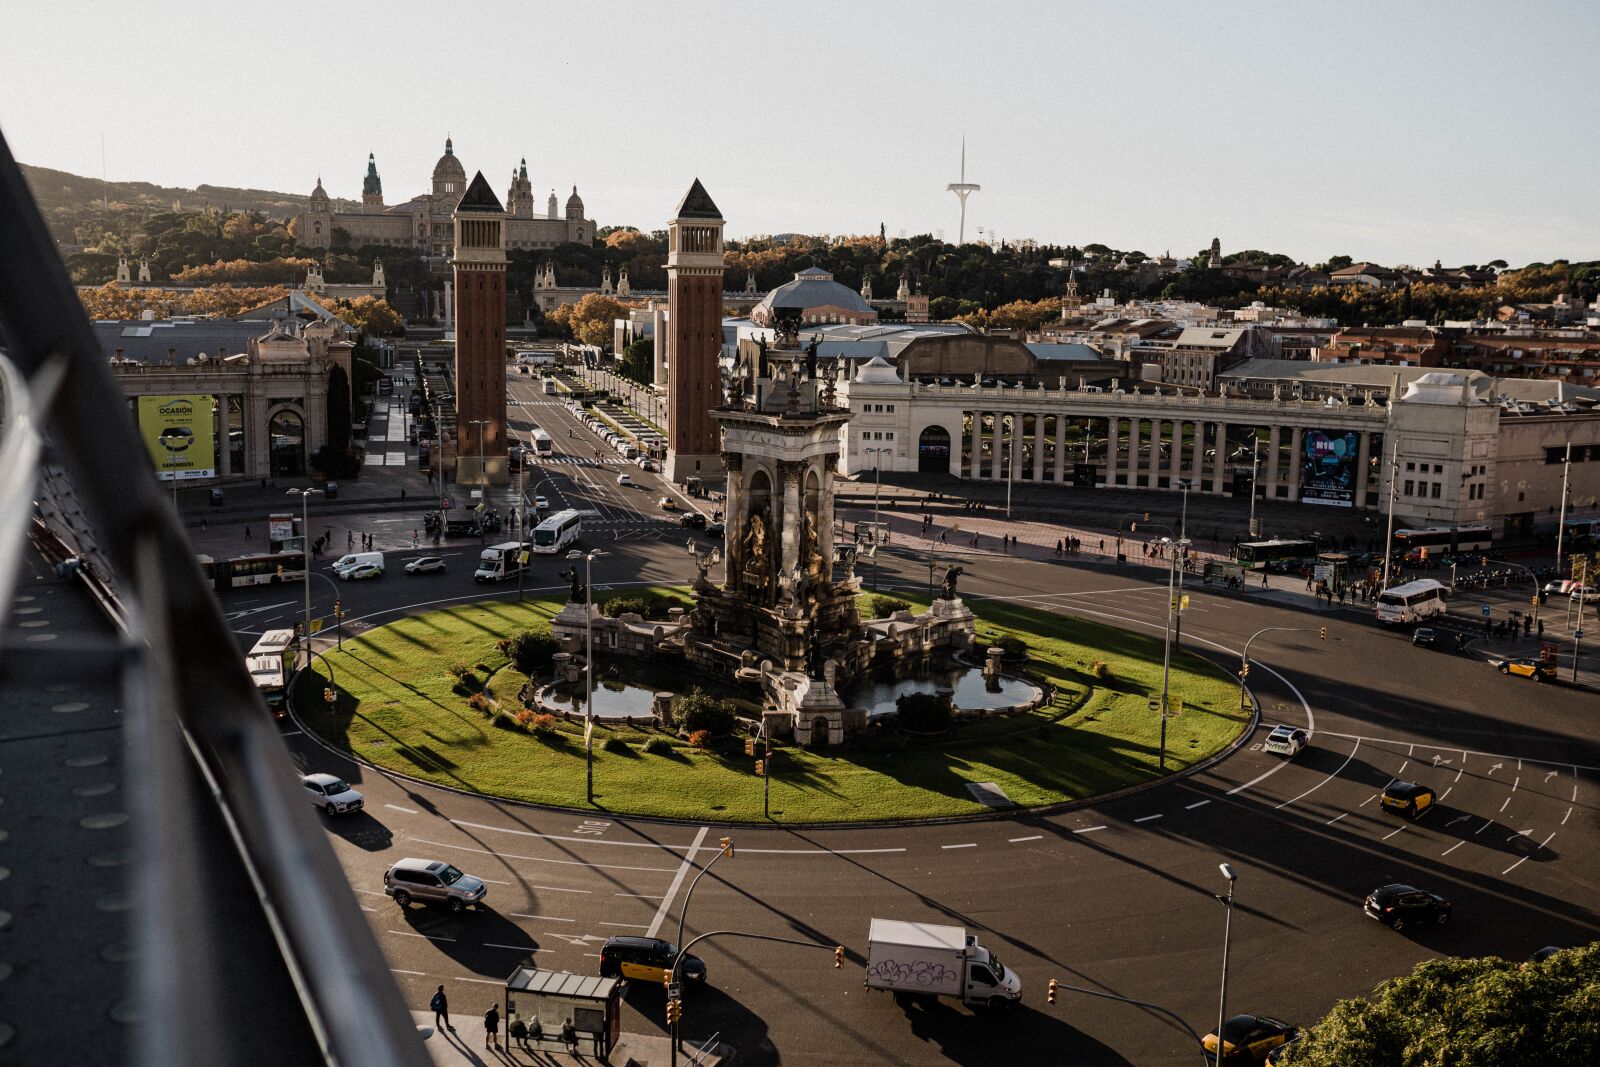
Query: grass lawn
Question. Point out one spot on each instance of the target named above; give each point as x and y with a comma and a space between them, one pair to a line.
396, 709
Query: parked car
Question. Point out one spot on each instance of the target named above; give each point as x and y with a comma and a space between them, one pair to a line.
1248, 1039
425, 565
1583, 592
1525, 667
647, 959
433, 882
1407, 798
332, 794
1559, 587
1397, 906
360, 571
692, 520
1286, 741
666, 503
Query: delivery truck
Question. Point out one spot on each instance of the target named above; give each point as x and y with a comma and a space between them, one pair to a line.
945, 961
499, 562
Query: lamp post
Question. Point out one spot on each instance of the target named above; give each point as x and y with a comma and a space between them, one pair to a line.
1176, 545
1244, 658
1255, 473
1227, 935
480, 424
1183, 538
877, 484
1388, 537
1011, 458
305, 548
1561, 528
588, 663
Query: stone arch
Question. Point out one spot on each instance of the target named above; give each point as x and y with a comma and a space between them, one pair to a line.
286, 439
933, 450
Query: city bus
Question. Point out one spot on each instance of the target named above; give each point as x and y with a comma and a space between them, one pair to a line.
1439, 539
541, 441
1412, 602
1580, 534
268, 568
557, 532
270, 662
1260, 553
549, 387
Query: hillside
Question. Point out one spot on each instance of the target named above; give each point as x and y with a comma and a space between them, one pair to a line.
56, 189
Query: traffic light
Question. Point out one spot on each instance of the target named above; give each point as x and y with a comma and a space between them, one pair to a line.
761, 768
727, 847
666, 982
1534, 600
674, 1012
1324, 633
328, 695
1244, 671
338, 609
838, 956
749, 746
1050, 992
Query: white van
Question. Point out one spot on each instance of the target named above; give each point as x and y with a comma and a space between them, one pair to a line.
1412, 602
356, 559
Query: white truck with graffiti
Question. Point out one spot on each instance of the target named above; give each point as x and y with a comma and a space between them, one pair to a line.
945, 961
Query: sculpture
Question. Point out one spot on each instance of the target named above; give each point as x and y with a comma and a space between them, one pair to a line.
950, 576
757, 553
703, 562
577, 594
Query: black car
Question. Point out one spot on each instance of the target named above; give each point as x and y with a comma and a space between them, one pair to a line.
648, 959
692, 520
1426, 636
716, 529
1399, 905
1249, 1038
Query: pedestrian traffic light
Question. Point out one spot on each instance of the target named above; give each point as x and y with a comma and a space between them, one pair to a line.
1050, 992
1244, 671
749, 746
727, 847
761, 768
838, 956
1324, 633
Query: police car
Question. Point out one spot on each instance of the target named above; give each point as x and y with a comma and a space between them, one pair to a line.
1286, 741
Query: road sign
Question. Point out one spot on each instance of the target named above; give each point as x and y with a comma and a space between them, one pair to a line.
1577, 635
316, 626
1485, 609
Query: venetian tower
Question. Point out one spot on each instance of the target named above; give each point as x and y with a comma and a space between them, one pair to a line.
372, 187
480, 310
694, 338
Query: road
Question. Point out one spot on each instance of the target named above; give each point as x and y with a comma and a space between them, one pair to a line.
1118, 896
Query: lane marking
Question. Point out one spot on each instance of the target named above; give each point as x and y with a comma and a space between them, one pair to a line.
969, 844
1575, 767
1196, 804
1402, 769
1453, 847
540, 859
1445, 793
1391, 833
1367, 801
1336, 818
628, 926
1506, 804
639, 896
1518, 781
1486, 824
514, 948
557, 889
1147, 818
659, 846
1565, 817
1524, 859
540, 918
1326, 780
396, 807
480, 981
1015, 840
677, 883
1088, 829
397, 970
425, 937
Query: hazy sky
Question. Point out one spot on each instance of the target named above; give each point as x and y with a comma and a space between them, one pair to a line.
1399, 132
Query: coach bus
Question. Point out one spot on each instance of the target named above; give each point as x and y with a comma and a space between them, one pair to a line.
270, 662
541, 441
1580, 534
1411, 602
557, 532
268, 568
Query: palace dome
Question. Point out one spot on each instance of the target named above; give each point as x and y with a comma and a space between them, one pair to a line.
449, 168
812, 288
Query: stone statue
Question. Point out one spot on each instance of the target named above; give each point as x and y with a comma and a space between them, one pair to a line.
757, 553
950, 576
703, 562
811, 357
579, 593
810, 552
761, 357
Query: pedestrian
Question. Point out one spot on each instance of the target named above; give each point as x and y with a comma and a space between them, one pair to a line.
491, 1027
1541, 629
441, 1011
350, 539
943, 535
202, 522
1527, 625
1263, 579
413, 537
247, 533
1102, 546
402, 494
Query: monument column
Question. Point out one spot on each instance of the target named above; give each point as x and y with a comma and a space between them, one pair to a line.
1296, 443
1220, 457
1273, 443
1197, 457
733, 530
1176, 469
1363, 462
1134, 430
827, 465
789, 548
1038, 448
1061, 448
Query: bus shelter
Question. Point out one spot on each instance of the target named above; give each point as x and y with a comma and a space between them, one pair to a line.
1333, 568
545, 1008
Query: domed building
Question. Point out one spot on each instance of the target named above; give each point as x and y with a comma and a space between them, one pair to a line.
423, 222
818, 298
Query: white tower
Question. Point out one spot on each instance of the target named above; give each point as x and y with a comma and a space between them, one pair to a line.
963, 189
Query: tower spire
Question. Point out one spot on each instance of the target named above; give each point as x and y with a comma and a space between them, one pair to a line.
963, 189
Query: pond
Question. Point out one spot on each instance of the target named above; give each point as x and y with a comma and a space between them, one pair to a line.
878, 692
612, 699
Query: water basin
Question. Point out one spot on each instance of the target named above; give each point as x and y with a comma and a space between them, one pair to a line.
612, 699
878, 693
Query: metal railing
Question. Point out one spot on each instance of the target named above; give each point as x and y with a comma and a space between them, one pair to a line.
248, 944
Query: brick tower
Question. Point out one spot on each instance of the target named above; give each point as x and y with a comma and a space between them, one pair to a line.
480, 287
694, 301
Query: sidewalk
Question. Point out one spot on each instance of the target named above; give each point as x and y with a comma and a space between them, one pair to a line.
465, 1046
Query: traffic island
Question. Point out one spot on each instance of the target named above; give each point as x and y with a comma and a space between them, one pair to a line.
435, 697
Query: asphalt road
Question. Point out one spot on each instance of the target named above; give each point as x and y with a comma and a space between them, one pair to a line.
1118, 896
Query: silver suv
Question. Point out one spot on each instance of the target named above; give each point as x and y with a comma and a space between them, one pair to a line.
433, 882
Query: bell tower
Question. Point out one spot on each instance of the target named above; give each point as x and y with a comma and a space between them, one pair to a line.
694, 338
479, 263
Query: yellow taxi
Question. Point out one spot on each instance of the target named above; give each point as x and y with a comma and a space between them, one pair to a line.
1538, 670
1248, 1039
1407, 798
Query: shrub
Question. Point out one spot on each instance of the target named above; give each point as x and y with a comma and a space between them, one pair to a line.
649, 605
697, 712
505, 720
657, 746
525, 718
923, 712
613, 744
503, 646
700, 738
1100, 669
458, 668
479, 702
532, 651
469, 682
542, 723
881, 607
1014, 647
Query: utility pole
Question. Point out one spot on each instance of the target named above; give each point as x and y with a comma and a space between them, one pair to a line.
1561, 528
1255, 473
1388, 537
1227, 937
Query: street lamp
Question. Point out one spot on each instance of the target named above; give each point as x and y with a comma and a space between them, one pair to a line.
305, 548
877, 484
480, 424
1227, 935
1388, 537
1177, 546
1561, 529
1255, 473
588, 662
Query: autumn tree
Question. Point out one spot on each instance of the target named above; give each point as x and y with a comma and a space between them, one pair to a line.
371, 316
590, 319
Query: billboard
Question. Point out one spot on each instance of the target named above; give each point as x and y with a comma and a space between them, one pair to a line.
178, 435
1328, 467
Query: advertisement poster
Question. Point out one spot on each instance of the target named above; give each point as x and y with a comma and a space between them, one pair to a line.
1328, 468
178, 435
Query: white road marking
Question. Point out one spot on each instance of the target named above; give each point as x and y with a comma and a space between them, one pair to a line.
557, 889
1445, 793
1147, 818
1486, 824
291, 733
1453, 847
396, 807
1457, 778
1325, 780
1565, 817
1391, 833
425, 937
627, 926
1520, 833
540, 918
1506, 804
1516, 783
514, 948
481, 981
1367, 801
397, 970
363, 907
1550, 774
969, 844
1458, 818
1196, 804
1088, 829
540, 859
659, 846
1336, 818
1402, 769
639, 896
677, 881
1015, 840
1524, 859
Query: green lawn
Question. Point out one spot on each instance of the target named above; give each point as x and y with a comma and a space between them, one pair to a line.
396, 709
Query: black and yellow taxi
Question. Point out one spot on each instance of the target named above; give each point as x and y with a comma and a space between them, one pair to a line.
1248, 1039
1523, 667
647, 959
1407, 798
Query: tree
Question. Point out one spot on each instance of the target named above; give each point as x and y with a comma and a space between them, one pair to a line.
1466, 1013
590, 319
532, 651
697, 710
638, 361
371, 316
923, 712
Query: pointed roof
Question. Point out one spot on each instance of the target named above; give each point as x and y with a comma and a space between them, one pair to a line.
479, 197
697, 204
523, 171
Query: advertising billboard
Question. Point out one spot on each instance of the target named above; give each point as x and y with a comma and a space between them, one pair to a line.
1328, 468
177, 433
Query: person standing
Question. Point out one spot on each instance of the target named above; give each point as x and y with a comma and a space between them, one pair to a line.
441, 1011
491, 1027
247, 533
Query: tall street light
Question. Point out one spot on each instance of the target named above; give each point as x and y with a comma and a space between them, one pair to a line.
1255, 473
1183, 538
1561, 528
305, 548
1175, 546
588, 662
877, 484
1388, 537
1227, 935
480, 424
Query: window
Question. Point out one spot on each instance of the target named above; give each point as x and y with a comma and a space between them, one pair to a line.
1554, 455
891, 411
1438, 468
1436, 487
1410, 467
1408, 489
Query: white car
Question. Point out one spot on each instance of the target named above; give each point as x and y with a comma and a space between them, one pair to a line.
333, 795
1286, 741
623, 479
425, 565
1581, 592
541, 503
360, 571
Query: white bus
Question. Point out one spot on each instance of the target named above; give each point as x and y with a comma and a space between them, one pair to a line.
541, 441
1412, 602
499, 562
557, 532
269, 663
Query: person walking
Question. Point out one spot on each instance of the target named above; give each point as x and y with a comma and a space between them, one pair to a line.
1263, 579
441, 1011
350, 539
491, 1027
247, 533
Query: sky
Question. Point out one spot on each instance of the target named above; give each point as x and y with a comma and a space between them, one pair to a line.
1397, 132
